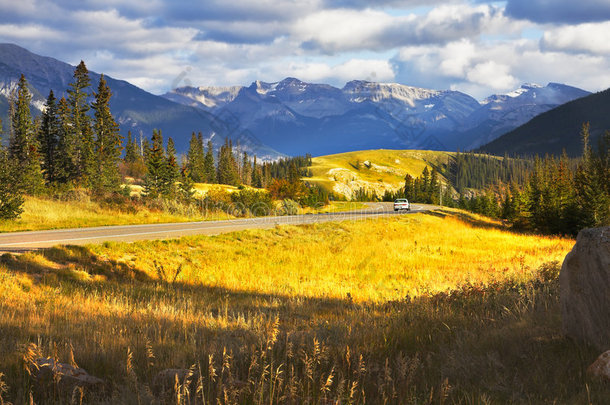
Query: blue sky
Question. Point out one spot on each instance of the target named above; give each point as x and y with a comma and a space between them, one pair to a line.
479, 47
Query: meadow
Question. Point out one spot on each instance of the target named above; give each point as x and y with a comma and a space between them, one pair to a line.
440, 307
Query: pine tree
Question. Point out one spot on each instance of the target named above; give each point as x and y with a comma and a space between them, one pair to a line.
227, 166
23, 145
186, 190
209, 169
591, 196
172, 171
157, 167
66, 145
83, 159
49, 138
194, 158
246, 170
131, 149
107, 142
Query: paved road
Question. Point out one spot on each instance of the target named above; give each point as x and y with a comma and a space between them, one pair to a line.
26, 241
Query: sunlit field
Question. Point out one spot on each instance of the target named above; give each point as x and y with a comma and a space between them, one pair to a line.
441, 307
45, 213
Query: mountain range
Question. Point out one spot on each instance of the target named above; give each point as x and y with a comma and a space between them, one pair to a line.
292, 117
134, 109
295, 117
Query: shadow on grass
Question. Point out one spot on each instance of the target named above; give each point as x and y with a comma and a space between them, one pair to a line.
500, 341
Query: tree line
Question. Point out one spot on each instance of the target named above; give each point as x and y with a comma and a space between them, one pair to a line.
76, 143
546, 195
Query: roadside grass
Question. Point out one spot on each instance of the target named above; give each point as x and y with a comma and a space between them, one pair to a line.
445, 307
46, 213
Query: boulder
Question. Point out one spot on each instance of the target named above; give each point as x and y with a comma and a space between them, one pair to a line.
601, 367
54, 378
585, 289
165, 380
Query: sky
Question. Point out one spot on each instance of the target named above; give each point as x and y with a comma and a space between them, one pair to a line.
475, 46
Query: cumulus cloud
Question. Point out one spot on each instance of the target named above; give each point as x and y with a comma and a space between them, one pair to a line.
559, 11
477, 46
589, 38
481, 69
341, 30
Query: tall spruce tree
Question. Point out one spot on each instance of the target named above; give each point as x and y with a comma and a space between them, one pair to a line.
49, 137
209, 169
194, 159
66, 169
154, 182
23, 144
172, 171
83, 159
131, 149
108, 142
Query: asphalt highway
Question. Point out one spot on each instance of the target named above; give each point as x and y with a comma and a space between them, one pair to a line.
26, 241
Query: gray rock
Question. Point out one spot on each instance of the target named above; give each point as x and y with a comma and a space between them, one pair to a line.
601, 367
55, 378
166, 381
585, 289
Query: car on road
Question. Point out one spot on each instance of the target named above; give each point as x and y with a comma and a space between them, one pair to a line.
402, 204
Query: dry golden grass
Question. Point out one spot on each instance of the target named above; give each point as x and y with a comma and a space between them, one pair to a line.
45, 213
311, 314
343, 173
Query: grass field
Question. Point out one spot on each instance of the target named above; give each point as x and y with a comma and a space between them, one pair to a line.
373, 170
443, 307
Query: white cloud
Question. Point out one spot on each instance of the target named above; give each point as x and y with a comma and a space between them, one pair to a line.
492, 74
334, 31
591, 38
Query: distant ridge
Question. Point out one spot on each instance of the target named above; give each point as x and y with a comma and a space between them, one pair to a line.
557, 129
295, 117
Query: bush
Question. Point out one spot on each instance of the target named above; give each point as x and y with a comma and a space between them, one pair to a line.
290, 207
256, 203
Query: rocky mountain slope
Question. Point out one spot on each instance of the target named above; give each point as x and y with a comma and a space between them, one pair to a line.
133, 108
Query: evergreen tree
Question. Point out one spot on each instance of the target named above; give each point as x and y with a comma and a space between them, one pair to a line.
11, 198
172, 171
107, 142
66, 145
186, 189
23, 145
194, 158
49, 138
131, 149
256, 174
83, 159
209, 169
227, 166
591, 189
246, 170
154, 182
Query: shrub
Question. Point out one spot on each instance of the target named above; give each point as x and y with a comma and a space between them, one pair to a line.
290, 207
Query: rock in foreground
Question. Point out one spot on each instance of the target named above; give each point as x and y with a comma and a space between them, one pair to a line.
585, 289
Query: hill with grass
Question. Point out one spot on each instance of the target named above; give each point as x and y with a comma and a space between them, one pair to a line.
374, 171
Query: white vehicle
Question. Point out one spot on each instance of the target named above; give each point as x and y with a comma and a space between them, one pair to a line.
402, 204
